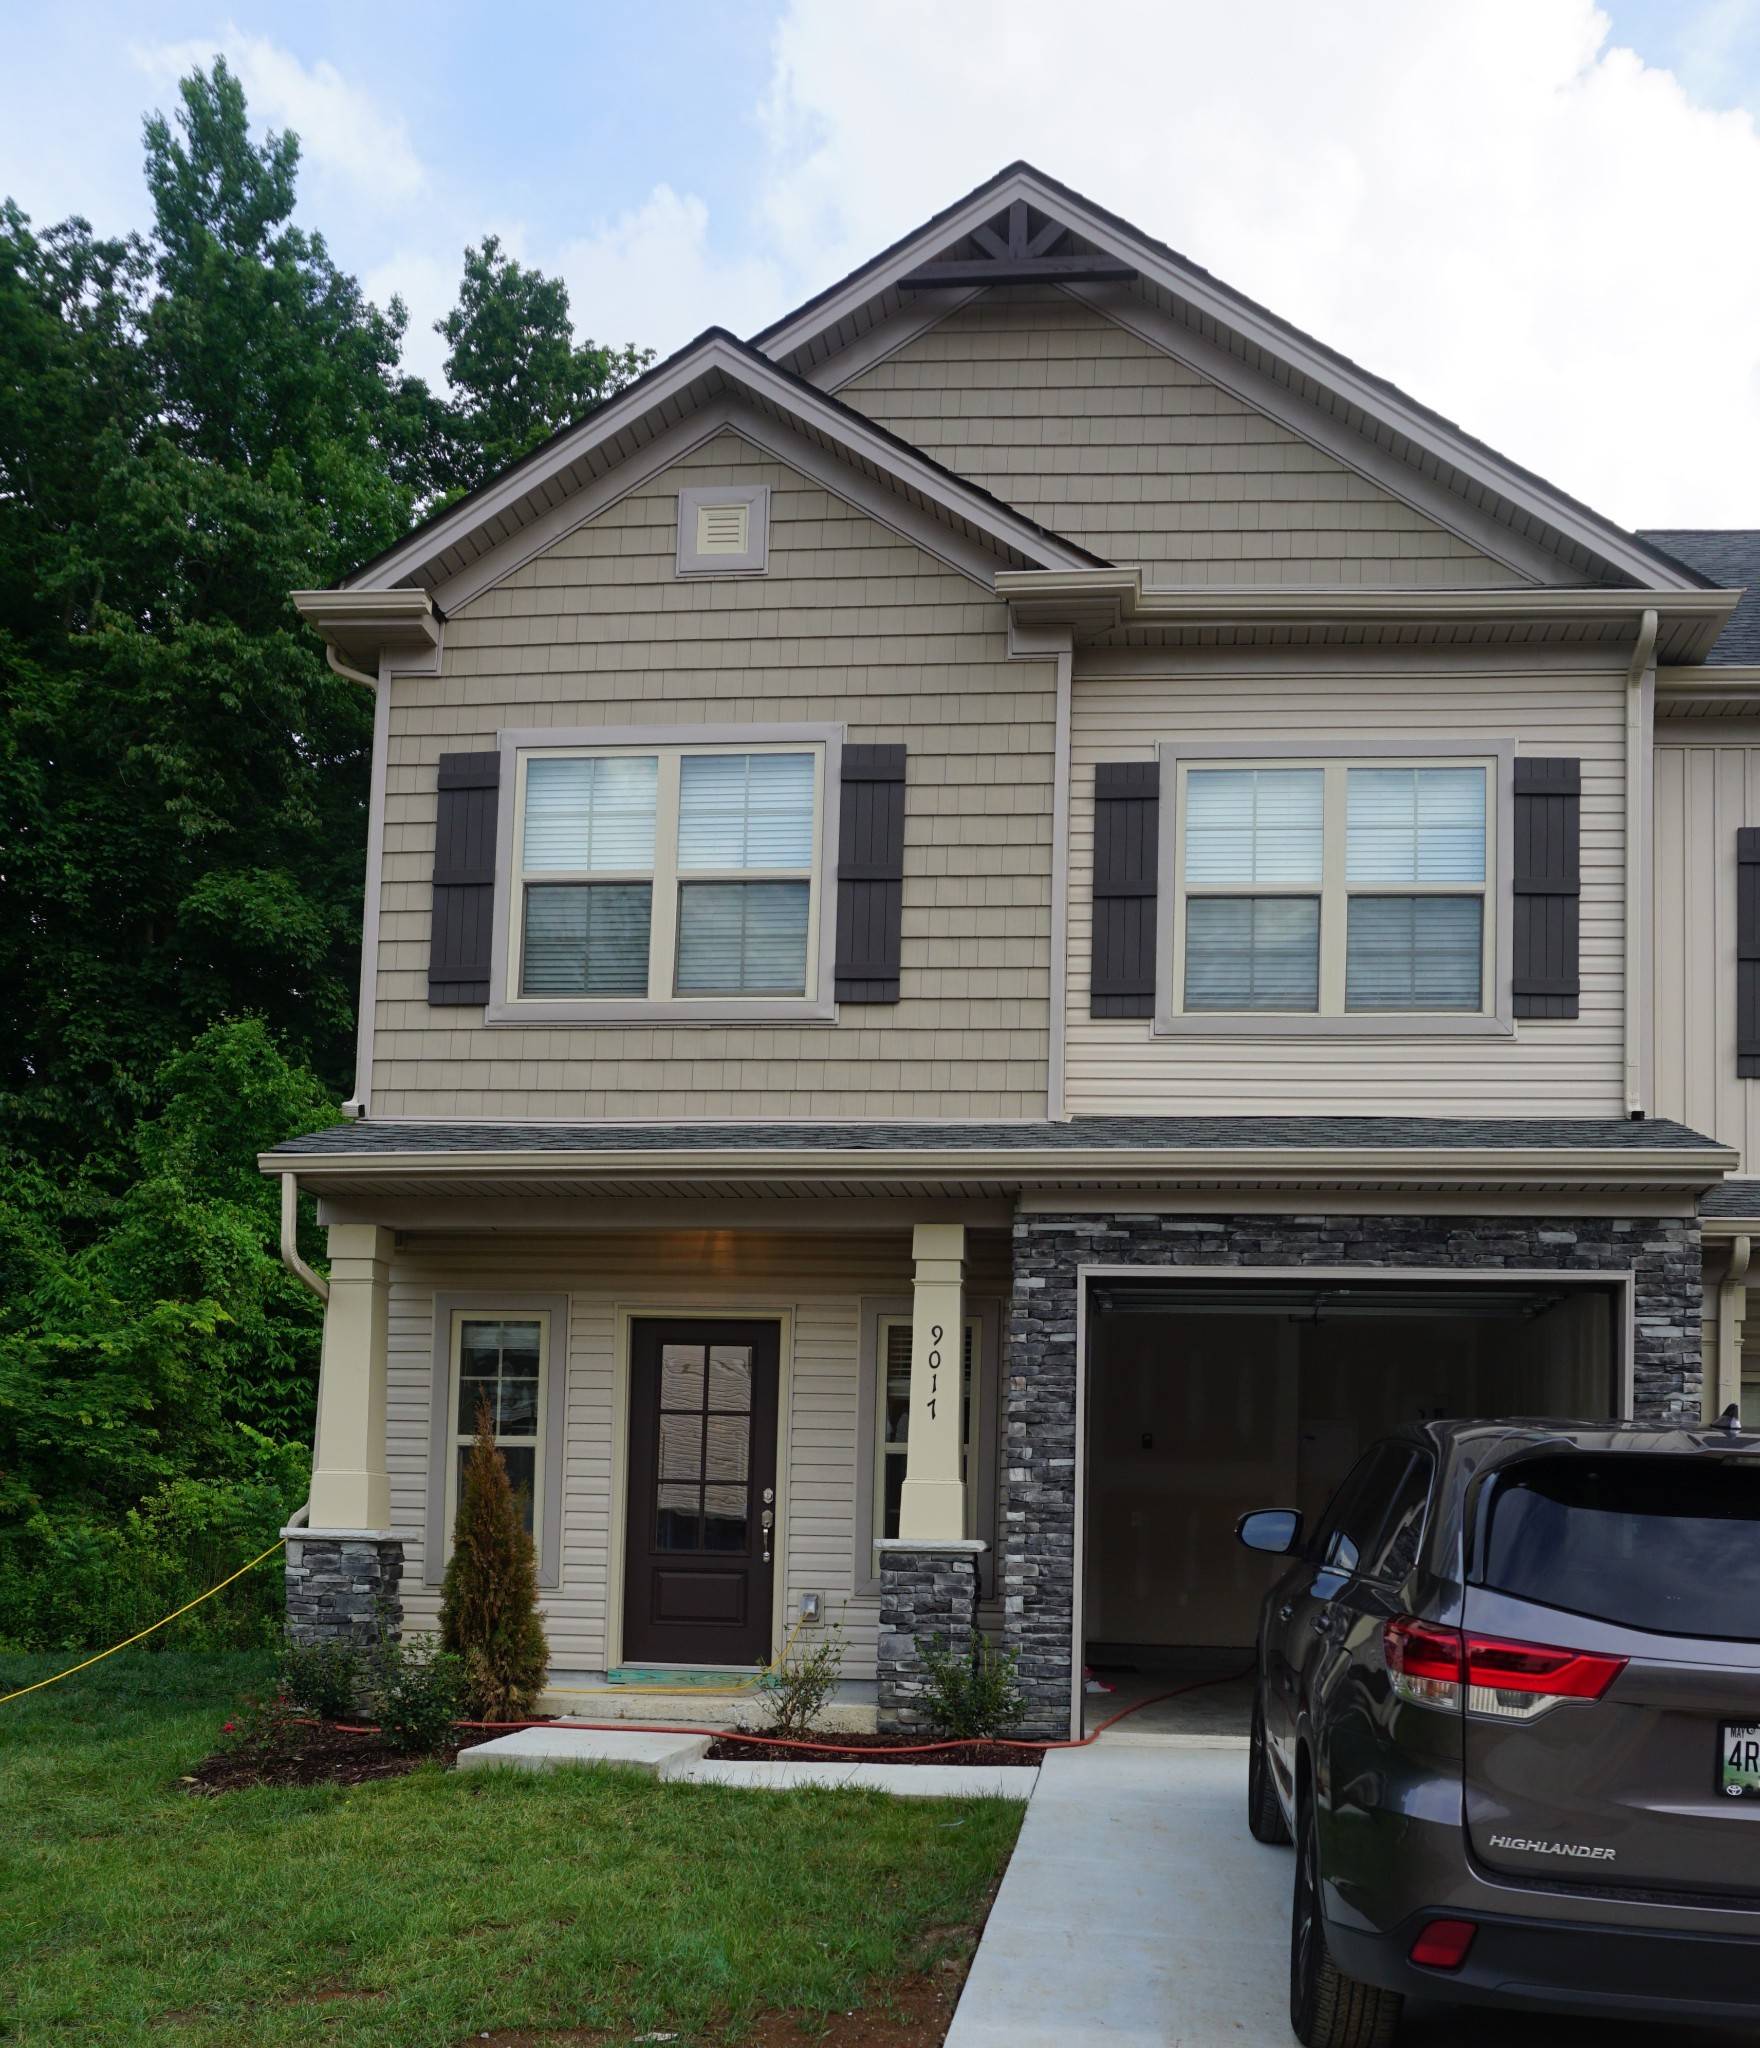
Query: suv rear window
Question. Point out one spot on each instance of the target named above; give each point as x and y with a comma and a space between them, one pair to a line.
1667, 1544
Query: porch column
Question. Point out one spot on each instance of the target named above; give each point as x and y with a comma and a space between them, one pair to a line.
929, 1572
933, 1506
344, 1567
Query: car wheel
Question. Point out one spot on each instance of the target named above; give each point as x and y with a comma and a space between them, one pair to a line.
1327, 2009
1265, 1821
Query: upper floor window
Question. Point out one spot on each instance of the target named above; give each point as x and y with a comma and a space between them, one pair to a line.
668, 874
1333, 889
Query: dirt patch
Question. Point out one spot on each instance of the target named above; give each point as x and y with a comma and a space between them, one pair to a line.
318, 1755
913, 2014
872, 1749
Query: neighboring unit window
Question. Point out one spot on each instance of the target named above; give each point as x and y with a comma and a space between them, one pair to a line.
892, 1431
1331, 890
500, 1360
678, 872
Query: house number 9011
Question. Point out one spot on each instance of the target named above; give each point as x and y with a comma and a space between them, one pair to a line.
935, 1335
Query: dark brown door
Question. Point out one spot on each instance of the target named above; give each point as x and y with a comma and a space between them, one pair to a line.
702, 1492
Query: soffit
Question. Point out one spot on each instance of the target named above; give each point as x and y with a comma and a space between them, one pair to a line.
1445, 469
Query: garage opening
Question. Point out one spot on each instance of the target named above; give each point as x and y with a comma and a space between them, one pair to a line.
1209, 1397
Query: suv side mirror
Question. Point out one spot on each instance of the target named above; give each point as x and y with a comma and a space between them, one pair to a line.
1274, 1529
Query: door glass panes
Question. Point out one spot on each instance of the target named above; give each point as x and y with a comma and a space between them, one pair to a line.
1254, 825
703, 1480
894, 1419
1252, 953
1414, 953
500, 1361
593, 816
1415, 825
742, 938
586, 939
745, 811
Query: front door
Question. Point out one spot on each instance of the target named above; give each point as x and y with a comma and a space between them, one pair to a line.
700, 1545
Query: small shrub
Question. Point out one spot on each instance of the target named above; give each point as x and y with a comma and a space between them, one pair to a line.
972, 1697
489, 1606
264, 1728
421, 1691
329, 1680
802, 1682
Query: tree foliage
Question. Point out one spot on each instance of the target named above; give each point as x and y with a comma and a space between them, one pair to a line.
194, 422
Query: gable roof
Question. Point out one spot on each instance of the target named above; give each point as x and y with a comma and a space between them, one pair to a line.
1400, 444
714, 382
1730, 558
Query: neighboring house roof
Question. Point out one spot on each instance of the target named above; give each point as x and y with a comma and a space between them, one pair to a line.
715, 382
1730, 558
1733, 1198
1389, 436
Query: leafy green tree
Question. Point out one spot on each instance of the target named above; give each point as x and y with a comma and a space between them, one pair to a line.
517, 371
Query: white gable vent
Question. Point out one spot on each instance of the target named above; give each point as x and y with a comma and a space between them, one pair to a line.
724, 530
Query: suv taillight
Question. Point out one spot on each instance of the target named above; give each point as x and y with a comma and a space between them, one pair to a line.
1507, 1681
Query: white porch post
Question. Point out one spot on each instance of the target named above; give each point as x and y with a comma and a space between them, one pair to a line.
933, 1506
350, 1488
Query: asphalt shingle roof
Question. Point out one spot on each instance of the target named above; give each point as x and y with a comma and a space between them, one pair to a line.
1176, 1133
1731, 558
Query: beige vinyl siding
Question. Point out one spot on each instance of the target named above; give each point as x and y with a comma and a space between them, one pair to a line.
1089, 429
820, 1279
1567, 1067
852, 624
1704, 793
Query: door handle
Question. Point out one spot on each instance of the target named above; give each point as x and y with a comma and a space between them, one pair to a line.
767, 1522
1286, 1610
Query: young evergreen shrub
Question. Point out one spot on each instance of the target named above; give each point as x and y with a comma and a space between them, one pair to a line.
489, 1602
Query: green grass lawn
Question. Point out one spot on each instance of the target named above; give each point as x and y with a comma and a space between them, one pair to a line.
425, 1909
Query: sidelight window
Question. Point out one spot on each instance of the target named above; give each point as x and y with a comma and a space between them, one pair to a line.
499, 1361
892, 1430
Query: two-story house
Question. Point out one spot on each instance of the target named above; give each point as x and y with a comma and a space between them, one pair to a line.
997, 924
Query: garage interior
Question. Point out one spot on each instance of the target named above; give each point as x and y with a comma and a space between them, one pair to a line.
1207, 1398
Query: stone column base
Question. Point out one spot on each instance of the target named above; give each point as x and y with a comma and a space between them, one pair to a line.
343, 1586
927, 1590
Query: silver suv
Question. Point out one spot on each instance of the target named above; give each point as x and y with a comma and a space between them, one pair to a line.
1508, 1709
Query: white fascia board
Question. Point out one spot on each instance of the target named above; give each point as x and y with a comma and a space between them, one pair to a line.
671, 387
1095, 1167
1303, 359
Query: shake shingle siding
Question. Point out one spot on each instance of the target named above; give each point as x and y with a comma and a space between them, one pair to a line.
1093, 432
852, 624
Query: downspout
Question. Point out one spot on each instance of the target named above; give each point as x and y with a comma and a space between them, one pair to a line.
290, 1257
1732, 1309
1640, 682
357, 1104
353, 675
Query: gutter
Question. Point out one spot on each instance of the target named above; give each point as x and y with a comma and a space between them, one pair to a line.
290, 1257
1640, 715
1684, 1167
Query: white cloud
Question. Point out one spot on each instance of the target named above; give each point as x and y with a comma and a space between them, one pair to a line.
1495, 206
345, 132
651, 275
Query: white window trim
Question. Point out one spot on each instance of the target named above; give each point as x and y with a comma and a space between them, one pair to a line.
754, 560
818, 1005
450, 1311
1496, 1020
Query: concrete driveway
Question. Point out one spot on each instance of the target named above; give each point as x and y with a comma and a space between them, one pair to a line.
1138, 1910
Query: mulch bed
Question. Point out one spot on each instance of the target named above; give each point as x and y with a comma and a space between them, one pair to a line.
871, 1749
320, 1755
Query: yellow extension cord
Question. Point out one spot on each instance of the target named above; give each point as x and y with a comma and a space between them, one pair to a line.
573, 1691
114, 1647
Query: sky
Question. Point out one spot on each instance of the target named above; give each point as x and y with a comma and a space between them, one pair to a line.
1533, 215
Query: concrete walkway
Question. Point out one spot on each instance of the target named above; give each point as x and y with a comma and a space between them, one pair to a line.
1137, 1912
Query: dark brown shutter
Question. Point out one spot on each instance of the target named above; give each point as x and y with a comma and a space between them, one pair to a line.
464, 879
1547, 886
870, 874
1748, 952
1127, 808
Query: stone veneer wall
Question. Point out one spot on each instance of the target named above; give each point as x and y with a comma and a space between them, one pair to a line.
1037, 1497
343, 1589
927, 1595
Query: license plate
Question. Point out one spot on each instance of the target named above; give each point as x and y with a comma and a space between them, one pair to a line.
1741, 1761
